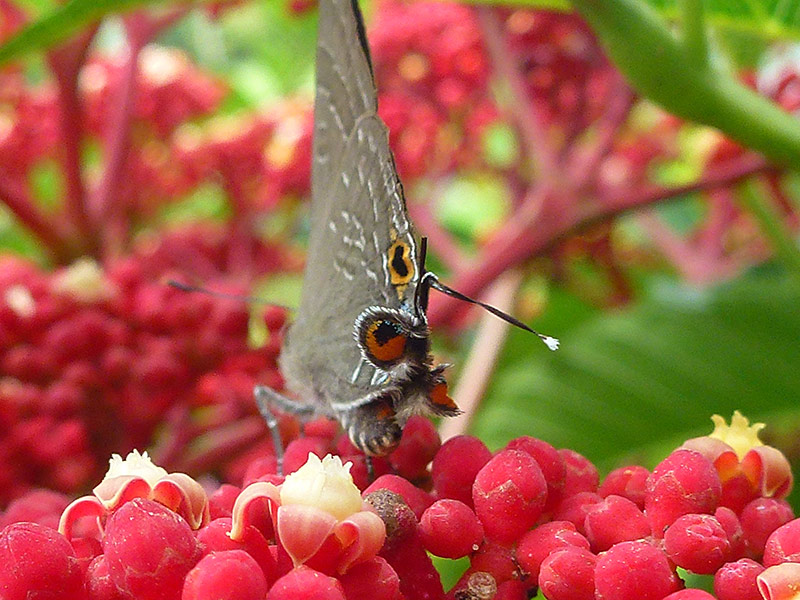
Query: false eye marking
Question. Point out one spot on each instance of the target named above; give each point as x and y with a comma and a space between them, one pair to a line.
401, 267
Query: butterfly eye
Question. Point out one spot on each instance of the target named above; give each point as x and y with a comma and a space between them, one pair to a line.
388, 338
384, 342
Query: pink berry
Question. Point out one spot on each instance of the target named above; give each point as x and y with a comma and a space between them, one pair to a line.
449, 528
509, 494
568, 574
37, 506
783, 545
374, 579
615, 519
149, 550
581, 475
574, 509
495, 559
455, 466
297, 452
550, 461
538, 544
214, 538
628, 482
760, 518
634, 571
220, 503
418, 446
303, 582
684, 482
697, 543
38, 562
737, 580
690, 594
226, 575
418, 500
733, 530
99, 584
513, 589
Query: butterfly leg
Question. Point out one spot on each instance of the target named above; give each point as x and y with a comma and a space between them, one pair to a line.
266, 399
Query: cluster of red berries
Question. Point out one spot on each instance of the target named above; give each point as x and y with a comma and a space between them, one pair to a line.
527, 517
93, 361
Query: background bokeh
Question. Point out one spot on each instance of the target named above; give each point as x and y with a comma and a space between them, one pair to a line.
173, 142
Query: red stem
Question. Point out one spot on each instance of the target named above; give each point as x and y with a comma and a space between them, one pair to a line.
47, 230
65, 62
531, 123
546, 217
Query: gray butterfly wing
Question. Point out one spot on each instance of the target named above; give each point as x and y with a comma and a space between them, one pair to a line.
360, 230
345, 86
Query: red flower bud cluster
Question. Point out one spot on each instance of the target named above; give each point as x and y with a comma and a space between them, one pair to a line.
92, 361
527, 517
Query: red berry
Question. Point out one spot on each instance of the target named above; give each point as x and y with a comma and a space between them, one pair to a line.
513, 589
38, 562
760, 518
37, 506
214, 538
615, 519
509, 494
634, 571
733, 529
581, 475
374, 579
303, 582
450, 529
737, 580
549, 460
220, 503
99, 583
297, 452
455, 466
568, 574
495, 559
417, 448
690, 594
149, 550
574, 509
684, 482
783, 545
697, 543
538, 544
628, 482
418, 500
226, 575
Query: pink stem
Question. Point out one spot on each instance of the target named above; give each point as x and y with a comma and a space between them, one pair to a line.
531, 123
544, 220
47, 230
65, 62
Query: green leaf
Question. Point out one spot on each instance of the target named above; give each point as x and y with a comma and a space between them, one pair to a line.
62, 22
632, 386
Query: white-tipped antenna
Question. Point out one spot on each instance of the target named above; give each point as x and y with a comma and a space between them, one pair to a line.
434, 282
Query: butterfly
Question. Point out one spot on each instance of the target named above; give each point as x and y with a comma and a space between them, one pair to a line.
358, 350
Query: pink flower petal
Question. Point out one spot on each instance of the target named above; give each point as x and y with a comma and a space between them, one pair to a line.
780, 582
88, 506
362, 535
259, 491
119, 490
303, 529
182, 494
770, 470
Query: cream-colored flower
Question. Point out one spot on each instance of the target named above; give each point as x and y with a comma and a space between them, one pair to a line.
326, 484
739, 435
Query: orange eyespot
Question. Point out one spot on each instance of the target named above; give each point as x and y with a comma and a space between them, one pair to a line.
439, 397
401, 268
385, 341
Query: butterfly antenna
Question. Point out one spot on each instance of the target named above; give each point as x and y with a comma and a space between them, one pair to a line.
423, 289
186, 287
434, 282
